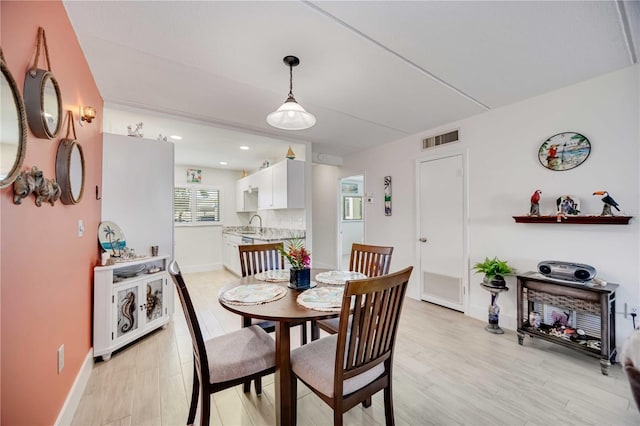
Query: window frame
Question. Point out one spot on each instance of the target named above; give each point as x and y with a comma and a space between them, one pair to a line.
194, 188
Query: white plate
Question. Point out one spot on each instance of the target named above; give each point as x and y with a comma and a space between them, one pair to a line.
322, 298
339, 277
129, 271
274, 276
254, 293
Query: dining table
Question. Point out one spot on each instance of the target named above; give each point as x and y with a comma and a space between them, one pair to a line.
285, 313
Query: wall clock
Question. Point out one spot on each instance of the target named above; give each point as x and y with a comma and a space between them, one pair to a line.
564, 151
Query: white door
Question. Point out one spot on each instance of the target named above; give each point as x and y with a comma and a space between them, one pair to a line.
441, 213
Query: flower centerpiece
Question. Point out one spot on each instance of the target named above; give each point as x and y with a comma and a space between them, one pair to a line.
494, 271
299, 259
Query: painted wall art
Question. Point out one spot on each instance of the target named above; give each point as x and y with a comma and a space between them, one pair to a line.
387, 195
194, 176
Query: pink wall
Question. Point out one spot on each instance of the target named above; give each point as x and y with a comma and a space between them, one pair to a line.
46, 269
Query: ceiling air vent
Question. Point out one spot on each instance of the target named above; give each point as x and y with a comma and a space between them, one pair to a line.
440, 139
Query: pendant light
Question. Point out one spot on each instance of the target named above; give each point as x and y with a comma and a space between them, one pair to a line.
291, 115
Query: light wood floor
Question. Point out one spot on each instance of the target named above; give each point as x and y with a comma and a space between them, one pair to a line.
448, 371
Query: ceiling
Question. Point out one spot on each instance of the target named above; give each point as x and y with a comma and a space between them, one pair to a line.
371, 72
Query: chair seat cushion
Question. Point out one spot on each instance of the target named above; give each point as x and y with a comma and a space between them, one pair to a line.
240, 353
314, 364
331, 325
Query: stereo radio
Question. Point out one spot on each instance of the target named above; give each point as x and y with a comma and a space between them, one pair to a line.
566, 270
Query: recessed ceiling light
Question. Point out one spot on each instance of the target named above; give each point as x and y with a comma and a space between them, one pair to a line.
243, 147
224, 163
176, 137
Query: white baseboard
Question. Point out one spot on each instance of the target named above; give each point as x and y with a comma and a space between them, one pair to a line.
205, 267
65, 417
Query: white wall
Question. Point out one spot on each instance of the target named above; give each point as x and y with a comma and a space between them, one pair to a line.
137, 191
199, 248
325, 212
503, 171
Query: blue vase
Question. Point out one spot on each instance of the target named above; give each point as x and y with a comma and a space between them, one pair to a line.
300, 279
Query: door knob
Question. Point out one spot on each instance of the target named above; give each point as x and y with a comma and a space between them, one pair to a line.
422, 240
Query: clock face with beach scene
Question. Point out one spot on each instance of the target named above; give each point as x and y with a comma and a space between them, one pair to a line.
564, 151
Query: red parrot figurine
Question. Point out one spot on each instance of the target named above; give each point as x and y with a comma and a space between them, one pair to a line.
535, 206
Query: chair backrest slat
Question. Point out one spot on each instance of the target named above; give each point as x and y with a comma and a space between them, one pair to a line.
372, 261
369, 337
199, 352
256, 258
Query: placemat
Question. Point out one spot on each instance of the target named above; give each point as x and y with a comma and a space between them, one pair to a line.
326, 299
254, 294
339, 277
274, 276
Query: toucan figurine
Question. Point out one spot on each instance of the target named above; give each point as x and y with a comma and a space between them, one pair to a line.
535, 207
608, 203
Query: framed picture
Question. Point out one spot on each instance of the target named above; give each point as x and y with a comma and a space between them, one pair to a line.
387, 195
194, 176
349, 188
564, 151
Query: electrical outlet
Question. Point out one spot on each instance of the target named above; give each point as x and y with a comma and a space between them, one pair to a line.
631, 309
60, 358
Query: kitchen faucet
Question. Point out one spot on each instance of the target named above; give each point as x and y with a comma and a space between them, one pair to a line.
258, 216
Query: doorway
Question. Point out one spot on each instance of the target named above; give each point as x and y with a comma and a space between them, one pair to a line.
441, 212
350, 217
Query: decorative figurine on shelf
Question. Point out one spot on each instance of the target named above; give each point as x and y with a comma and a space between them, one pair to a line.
290, 154
608, 203
535, 206
568, 205
137, 133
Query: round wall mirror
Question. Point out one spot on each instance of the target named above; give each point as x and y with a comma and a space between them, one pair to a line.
43, 103
70, 171
13, 128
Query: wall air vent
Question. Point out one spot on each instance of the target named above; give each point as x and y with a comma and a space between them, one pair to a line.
440, 140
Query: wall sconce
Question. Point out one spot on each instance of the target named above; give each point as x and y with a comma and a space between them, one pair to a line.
88, 114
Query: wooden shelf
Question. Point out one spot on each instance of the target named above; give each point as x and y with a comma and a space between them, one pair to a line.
590, 220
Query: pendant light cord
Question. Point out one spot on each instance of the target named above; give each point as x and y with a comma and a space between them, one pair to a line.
290, 81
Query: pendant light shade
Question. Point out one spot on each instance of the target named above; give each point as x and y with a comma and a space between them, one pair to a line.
291, 115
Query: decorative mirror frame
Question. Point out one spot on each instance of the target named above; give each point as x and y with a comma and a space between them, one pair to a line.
63, 165
22, 119
34, 86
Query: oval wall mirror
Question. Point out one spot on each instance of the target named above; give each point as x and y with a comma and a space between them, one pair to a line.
13, 127
43, 103
70, 171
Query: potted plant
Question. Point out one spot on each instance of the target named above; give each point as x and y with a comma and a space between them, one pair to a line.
494, 271
299, 259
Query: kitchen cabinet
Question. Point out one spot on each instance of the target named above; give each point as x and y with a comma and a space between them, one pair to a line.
130, 300
284, 184
280, 186
247, 194
230, 254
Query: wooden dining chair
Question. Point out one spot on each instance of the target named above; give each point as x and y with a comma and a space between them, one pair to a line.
372, 261
347, 368
224, 361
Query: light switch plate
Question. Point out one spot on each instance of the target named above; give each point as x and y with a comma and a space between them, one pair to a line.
80, 228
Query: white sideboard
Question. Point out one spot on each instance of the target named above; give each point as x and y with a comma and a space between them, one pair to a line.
127, 308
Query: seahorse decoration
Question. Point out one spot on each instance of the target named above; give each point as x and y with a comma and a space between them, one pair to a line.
152, 301
127, 308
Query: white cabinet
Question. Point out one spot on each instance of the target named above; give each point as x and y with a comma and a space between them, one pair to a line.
283, 185
246, 194
230, 254
128, 308
288, 185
